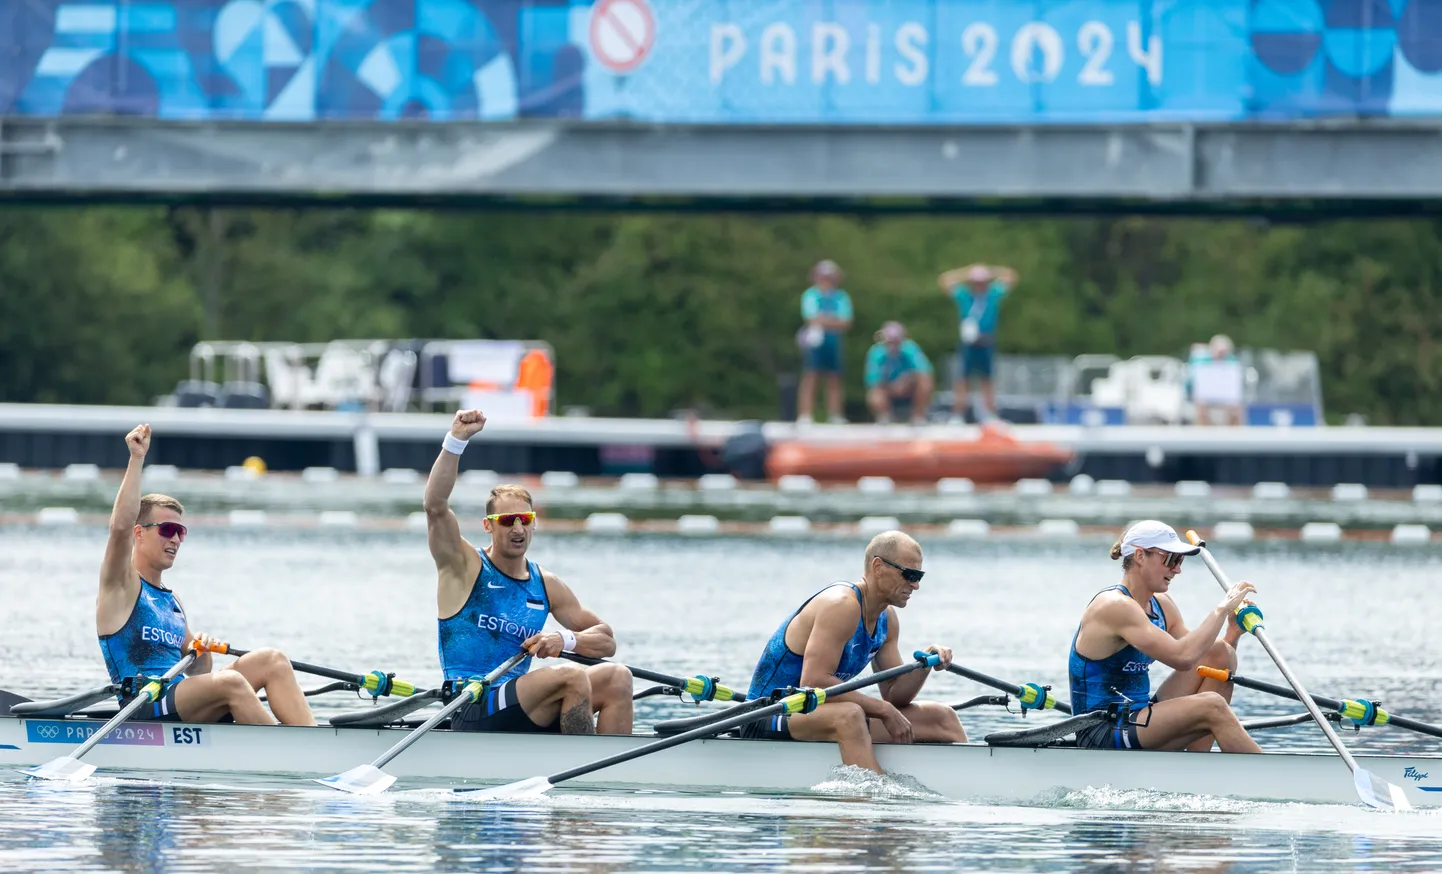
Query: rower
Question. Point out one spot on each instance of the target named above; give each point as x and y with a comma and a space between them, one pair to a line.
1128, 626
144, 630
831, 638
492, 604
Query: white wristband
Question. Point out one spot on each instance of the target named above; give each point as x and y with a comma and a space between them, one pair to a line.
568, 640
453, 444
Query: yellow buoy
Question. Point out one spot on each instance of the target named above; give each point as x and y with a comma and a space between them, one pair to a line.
255, 463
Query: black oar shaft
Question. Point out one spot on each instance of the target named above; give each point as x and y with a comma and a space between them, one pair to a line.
654, 676
395, 687
1284, 692
725, 724
987, 680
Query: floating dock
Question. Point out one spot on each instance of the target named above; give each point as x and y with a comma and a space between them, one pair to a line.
53, 436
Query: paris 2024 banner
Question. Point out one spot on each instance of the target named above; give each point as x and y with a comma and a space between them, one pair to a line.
896, 62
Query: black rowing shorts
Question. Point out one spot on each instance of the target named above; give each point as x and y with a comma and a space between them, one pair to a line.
499, 710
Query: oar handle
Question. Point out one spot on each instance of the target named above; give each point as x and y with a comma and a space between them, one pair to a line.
701, 688
795, 703
1031, 695
375, 682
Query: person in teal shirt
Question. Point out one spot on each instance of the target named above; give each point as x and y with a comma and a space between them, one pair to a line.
826, 311
898, 372
978, 291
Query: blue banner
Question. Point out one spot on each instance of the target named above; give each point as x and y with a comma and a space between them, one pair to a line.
723, 61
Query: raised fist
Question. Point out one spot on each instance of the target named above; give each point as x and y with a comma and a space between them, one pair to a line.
467, 424
138, 441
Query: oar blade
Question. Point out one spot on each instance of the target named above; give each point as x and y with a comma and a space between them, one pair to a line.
64, 768
1376, 792
360, 780
531, 787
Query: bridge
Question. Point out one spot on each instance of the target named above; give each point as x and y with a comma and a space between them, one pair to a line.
1181, 105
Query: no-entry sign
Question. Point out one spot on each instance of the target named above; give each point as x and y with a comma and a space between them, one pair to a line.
622, 33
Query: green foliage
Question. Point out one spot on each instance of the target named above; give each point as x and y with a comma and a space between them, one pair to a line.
653, 312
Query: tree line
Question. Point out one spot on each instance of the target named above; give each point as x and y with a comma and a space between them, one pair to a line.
649, 313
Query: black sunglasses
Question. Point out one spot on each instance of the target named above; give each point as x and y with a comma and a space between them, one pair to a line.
1172, 560
167, 530
910, 574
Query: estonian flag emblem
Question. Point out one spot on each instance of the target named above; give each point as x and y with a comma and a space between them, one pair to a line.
535, 605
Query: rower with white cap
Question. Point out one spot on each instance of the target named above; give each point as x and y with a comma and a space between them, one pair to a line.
1128, 626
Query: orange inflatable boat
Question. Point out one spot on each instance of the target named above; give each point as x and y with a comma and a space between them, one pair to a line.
993, 457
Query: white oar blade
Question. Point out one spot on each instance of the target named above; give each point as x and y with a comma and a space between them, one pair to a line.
1376, 792
531, 787
63, 768
360, 780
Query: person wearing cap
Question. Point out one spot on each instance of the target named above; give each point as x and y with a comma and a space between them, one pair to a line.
1128, 626
826, 311
897, 372
978, 290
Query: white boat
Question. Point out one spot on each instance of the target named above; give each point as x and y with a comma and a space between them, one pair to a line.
971, 771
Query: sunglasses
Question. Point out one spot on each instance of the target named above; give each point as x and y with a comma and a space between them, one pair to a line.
506, 520
910, 574
167, 530
1172, 560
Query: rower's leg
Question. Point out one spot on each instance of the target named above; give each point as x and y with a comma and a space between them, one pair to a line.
842, 722
1181, 722
611, 691
562, 692
269, 669
931, 722
208, 697
1183, 683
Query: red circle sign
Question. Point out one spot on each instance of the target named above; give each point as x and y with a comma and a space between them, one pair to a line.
622, 33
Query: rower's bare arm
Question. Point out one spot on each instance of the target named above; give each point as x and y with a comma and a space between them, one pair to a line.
1128, 621
834, 623
202, 663
443, 530
903, 690
117, 575
594, 638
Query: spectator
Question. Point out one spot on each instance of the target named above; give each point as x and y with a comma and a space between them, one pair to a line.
897, 373
978, 291
1216, 382
826, 310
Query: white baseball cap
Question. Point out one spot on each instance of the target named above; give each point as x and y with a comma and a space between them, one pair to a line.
1151, 534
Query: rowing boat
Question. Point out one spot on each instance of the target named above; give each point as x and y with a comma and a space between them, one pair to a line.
976, 771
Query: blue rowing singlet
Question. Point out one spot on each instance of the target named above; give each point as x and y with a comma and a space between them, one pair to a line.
500, 614
1126, 670
780, 667
150, 641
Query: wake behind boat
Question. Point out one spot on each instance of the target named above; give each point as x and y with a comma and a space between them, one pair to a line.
977, 771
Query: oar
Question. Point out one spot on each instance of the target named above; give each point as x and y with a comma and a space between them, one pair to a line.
1028, 694
1373, 790
375, 682
371, 780
1362, 712
70, 767
795, 703
700, 688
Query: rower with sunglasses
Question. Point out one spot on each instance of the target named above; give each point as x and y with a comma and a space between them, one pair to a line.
1128, 626
493, 603
831, 638
143, 628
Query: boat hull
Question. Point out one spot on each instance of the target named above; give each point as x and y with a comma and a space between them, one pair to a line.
973, 772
